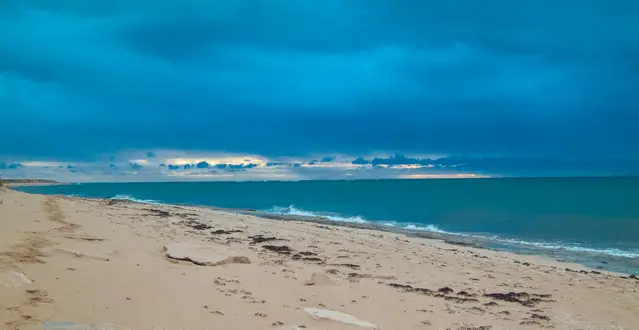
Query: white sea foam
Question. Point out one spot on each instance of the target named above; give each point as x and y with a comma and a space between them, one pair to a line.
535, 244
292, 210
570, 247
133, 199
429, 227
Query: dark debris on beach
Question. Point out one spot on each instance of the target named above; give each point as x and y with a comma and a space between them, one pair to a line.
158, 212
522, 298
300, 256
483, 327
351, 266
226, 232
441, 293
194, 224
117, 201
256, 239
307, 256
282, 249
446, 290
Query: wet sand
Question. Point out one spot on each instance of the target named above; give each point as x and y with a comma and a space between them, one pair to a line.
115, 264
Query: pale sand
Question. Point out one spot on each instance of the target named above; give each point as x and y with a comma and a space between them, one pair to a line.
95, 263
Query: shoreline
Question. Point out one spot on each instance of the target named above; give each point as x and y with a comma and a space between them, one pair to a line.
590, 260
622, 265
125, 265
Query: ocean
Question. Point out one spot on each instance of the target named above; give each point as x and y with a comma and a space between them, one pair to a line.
593, 221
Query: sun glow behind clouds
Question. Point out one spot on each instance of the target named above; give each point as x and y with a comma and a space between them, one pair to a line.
43, 164
171, 165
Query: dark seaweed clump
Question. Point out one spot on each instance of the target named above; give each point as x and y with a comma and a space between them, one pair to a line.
523, 298
283, 249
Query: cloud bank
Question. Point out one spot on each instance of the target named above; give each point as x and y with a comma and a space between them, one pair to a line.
81, 80
170, 165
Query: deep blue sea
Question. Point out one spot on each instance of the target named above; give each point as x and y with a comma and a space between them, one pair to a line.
594, 221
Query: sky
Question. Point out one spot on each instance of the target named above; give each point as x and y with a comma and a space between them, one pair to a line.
98, 83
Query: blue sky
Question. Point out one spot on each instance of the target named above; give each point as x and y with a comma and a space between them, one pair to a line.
100, 83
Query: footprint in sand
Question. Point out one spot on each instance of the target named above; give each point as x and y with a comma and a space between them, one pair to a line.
54, 213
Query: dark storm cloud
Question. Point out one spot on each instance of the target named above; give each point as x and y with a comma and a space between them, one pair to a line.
202, 165
84, 78
361, 161
400, 160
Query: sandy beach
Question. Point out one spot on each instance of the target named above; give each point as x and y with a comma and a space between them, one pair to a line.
109, 264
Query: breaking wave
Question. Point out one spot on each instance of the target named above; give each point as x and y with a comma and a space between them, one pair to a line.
292, 210
487, 238
561, 246
430, 228
570, 247
133, 199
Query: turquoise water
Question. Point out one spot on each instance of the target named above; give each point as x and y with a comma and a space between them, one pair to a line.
581, 219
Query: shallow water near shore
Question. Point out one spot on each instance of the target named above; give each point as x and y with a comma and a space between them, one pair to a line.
593, 221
